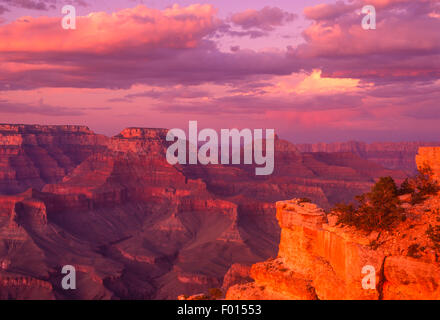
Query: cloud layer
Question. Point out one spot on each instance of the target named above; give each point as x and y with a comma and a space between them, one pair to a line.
339, 76
265, 19
405, 45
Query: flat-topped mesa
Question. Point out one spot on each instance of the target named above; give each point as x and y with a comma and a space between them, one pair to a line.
34, 155
141, 141
429, 156
34, 128
17, 135
143, 133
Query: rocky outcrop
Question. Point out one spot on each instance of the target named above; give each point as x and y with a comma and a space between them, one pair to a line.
429, 157
237, 274
318, 260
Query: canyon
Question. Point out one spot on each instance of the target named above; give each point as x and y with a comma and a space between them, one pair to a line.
136, 227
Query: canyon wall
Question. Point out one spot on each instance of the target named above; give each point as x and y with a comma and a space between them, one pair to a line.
319, 260
34, 155
391, 155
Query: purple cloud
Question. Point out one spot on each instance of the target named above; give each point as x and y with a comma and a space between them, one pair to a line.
43, 5
265, 19
40, 109
404, 47
3, 9
31, 4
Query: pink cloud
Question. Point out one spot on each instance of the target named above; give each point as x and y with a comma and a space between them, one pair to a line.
172, 46
41, 108
327, 11
100, 32
131, 46
405, 45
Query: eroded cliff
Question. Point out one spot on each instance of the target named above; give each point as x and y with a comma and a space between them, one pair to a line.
34, 155
319, 260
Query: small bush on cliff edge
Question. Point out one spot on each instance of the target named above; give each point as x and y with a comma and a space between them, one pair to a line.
406, 187
420, 186
376, 210
423, 185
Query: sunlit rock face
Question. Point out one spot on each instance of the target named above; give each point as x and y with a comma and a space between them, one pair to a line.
429, 157
136, 226
319, 260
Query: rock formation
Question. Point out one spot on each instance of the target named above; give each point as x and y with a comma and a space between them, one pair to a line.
429, 157
34, 155
318, 259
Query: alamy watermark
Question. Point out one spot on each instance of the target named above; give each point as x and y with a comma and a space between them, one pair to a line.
369, 21
369, 281
208, 153
69, 20
69, 280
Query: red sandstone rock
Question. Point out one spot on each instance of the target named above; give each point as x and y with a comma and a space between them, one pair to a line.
318, 260
429, 157
237, 274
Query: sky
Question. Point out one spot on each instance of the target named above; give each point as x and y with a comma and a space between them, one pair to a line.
304, 68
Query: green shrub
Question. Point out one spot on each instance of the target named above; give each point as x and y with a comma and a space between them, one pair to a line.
424, 185
346, 213
377, 210
406, 187
380, 208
